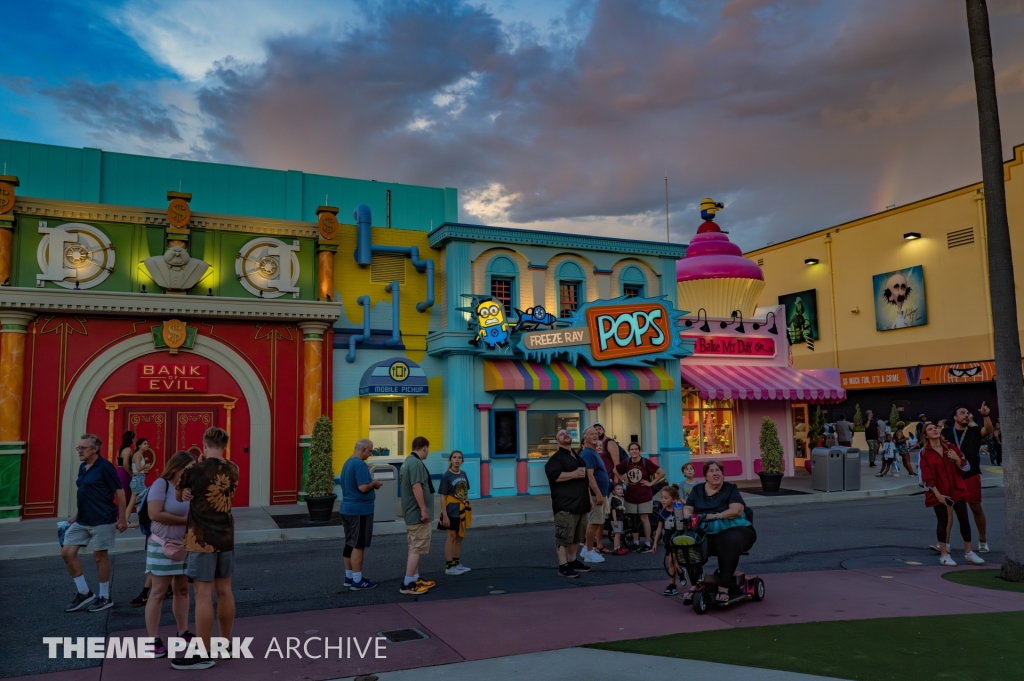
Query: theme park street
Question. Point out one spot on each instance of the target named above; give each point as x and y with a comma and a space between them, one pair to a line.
278, 578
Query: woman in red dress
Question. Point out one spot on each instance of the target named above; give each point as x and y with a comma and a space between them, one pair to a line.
941, 467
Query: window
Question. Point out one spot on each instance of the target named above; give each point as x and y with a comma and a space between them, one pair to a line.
543, 426
387, 427
571, 288
501, 290
708, 425
506, 432
633, 281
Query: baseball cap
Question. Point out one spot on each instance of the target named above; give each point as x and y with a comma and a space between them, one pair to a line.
597, 423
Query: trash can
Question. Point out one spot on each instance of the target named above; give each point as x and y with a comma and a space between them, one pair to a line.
851, 468
827, 469
384, 508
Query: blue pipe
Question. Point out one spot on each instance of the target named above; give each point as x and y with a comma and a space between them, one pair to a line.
359, 337
396, 334
363, 220
413, 253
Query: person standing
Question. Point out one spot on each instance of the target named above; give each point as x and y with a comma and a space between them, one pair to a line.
456, 513
871, 435
640, 474
101, 510
209, 487
417, 505
922, 421
997, 445
967, 437
167, 518
357, 500
570, 503
600, 486
942, 466
903, 447
844, 431
611, 452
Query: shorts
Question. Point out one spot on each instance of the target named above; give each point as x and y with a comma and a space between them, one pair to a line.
973, 490
453, 519
358, 530
138, 484
206, 567
570, 528
160, 565
100, 537
646, 507
616, 527
596, 515
418, 537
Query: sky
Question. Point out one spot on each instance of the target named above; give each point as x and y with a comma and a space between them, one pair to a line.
563, 115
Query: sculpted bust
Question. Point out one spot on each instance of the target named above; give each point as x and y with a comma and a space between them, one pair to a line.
175, 270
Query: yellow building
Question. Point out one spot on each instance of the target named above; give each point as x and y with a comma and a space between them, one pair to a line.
850, 279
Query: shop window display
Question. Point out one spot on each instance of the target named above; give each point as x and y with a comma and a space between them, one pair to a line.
387, 427
543, 426
708, 425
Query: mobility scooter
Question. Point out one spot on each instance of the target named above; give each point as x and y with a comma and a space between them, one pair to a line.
690, 547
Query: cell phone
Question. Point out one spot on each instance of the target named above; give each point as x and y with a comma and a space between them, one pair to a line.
949, 502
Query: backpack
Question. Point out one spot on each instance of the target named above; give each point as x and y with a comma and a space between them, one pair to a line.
145, 523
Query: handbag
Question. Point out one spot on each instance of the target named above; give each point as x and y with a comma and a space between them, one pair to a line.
172, 548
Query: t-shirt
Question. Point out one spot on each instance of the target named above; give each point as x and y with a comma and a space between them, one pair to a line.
594, 462
415, 471
454, 485
871, 430
635, 472
606, 455
844, 431
97, 490
667, 517
618, 508
718, 503
569, 496
354, 473
969, 443
211, 527
163, 490
685, 488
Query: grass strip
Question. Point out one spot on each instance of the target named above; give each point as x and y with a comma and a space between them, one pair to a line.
986, 579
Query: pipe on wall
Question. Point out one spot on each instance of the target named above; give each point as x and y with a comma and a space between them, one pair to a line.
365, 250
413, 253
363, 254
396, 334
364, 301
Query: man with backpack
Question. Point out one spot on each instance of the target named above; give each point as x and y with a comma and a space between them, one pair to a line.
640, 474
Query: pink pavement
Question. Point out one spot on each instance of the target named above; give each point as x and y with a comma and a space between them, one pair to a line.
511, 624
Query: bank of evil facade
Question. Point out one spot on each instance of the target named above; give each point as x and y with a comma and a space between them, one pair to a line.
164, 296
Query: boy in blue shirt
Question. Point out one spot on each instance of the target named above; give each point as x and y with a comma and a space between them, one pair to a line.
357, 497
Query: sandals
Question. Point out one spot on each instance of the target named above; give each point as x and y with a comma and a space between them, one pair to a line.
722, 597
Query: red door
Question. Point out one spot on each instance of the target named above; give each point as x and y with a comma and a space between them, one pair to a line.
152, 425
189, 426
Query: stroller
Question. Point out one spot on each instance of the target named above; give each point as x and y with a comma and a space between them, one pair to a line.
690, 547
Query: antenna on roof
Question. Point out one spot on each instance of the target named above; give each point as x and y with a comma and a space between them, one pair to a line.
179, 185
668, 233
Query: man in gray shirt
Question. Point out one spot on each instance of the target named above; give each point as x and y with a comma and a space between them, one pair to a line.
844, 431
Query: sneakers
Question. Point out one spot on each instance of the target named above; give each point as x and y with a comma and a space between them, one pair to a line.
412, 589
578, 566
935, 547
591, 556
159, 649
192, 663
567, 571
621, 551
187, 635
348, 582
101, 603
425, 583
462, 569
973, 558
457, 570
670, 590
948, 560
141, 599
646, 548
362, 584
983, 547
80, 602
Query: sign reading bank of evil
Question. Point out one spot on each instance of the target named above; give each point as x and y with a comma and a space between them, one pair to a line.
395, 376
628, 331
172, 378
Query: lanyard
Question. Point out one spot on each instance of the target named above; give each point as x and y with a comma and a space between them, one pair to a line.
959, 440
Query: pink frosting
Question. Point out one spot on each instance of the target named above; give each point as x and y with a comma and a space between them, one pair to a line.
711, 255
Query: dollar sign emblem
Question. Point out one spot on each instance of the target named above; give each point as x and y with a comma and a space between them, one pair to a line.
174, 335
6, 197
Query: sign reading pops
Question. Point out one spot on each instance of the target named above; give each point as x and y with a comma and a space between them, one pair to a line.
172, 378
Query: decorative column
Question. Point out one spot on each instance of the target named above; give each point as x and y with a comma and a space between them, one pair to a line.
485, 450
673, 436
13, 334
7, 196
652, 432
228, 408
326, 247
111, 410
522, 470
312, 388
591, 414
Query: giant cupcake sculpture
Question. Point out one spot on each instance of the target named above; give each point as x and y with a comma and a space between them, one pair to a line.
714, 275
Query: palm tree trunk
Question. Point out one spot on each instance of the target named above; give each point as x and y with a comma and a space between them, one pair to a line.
1009, 385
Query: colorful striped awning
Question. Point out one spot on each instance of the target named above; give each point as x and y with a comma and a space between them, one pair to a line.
722, 382
511, 374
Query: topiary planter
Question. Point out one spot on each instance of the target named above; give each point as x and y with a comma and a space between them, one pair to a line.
770, 482
320, 508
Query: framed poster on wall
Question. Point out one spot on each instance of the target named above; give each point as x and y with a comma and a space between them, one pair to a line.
801, 315
899, 299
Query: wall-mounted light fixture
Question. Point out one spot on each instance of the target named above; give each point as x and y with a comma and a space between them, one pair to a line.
811, 261
773, 330
910, 236
703, 327
735, 314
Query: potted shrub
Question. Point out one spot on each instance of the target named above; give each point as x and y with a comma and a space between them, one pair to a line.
859, 441
320, 496
772, 458
817, 428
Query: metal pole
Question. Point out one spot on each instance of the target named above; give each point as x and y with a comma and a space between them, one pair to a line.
668, 232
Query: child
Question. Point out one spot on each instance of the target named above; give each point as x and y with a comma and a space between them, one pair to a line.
618, 510
689, 473
456, 513
888, 456
667, 525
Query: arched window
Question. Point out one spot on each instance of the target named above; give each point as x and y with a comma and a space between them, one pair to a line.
502, 274
633, 282
572, 288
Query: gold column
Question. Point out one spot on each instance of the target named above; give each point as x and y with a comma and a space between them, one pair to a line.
312, 373
327, 223
13, 333
111, 408
7, 197
227, 427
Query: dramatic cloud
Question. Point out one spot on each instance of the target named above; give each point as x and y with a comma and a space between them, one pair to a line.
109, 109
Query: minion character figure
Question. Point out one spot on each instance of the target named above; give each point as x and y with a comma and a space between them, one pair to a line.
708, 208
493, 325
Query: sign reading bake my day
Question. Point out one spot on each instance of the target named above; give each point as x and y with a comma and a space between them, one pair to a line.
731, 346
172, 378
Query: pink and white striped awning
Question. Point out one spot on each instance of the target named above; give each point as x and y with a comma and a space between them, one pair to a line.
763, 383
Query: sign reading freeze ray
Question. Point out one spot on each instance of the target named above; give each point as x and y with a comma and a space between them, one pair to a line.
555, 338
